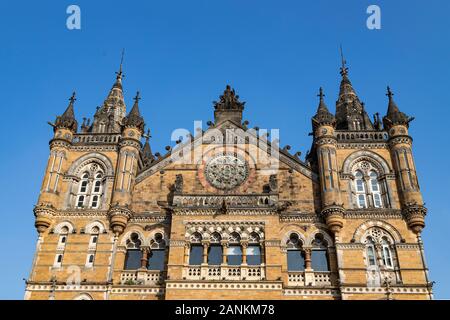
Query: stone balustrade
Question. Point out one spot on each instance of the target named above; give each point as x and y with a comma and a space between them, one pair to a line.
308, 278
231, 273
231, 201
142, 277
90, 138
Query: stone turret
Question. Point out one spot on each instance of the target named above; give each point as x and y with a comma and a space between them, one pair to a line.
400, 144
325, 144
127, 165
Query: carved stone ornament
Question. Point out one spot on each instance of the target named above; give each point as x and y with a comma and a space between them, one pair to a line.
226, 171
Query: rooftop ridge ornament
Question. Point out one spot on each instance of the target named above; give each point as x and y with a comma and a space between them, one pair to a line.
229, 100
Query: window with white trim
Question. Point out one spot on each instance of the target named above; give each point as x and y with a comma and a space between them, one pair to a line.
379, 248
369, 190
61, 246
90, 187
360, 190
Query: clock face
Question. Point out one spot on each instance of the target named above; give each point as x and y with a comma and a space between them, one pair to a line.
226, 171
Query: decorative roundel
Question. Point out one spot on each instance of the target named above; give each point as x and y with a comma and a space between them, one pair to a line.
226, 171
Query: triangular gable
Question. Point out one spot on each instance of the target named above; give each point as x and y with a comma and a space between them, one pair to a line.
235, 131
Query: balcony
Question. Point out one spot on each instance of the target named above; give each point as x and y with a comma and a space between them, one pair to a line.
309, 278
232, 273
142, 277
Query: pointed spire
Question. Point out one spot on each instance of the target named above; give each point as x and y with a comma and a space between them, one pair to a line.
67, 119
394, 116
147, 154
350, 112
118, 83
109, 116
323, 116
134, 118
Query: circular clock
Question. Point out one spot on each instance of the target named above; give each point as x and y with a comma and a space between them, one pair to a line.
226, 171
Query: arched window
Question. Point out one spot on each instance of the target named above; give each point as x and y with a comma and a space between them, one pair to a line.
360, 190
61, 246
378, 248
96, 191
319, 256
368, 190
134, 253
295, 255
157, 259
92, 247
234, 251
196, 250
90, 188
82, 191
375, 188
386, 252
215, 251
253, 251
370, 252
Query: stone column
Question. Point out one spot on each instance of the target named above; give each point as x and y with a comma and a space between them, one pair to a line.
244, 246
205, 252
145, 256
307, 258
224, 252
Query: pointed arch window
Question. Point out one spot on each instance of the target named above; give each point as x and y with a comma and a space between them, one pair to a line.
215, 250
379, 248
157, 258
134, 254
90, 188
234, 251
295, 255
319, 254
196, 250
369, 189
253, 250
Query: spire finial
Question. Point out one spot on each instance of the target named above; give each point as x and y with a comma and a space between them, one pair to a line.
389, 92
321, 95
120, 73
72, 98
344, 68
137, 97
147, 136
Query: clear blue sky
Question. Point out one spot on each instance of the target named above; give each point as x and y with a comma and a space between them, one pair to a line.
181, 54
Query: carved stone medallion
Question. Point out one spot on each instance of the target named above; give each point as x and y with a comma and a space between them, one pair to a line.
226, 171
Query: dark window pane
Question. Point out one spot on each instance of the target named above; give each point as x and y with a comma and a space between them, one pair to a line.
157, 260
133, 259
253, 255
319, 261
296, 260
215, 255
234, 255
196, 255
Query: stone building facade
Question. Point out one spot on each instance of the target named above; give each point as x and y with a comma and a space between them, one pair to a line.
227, 213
